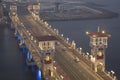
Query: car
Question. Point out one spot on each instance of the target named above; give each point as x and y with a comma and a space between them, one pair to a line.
77, 59
57, 43
64, 48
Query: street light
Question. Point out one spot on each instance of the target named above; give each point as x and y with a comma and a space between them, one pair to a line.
57, 31
103, 31
50, 26
62, 35
61, 77
108, 72
46, 23
112, 73
87, 55
54, 29
80, 50
67, 40
54, 67
39, 4
87, 32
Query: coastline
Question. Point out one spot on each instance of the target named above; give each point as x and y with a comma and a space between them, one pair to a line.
76, 12
105, 15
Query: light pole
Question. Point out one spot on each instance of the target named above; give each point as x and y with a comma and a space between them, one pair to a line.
57, 32
87, 55
80, 50
62, 35
67, 40
112, 73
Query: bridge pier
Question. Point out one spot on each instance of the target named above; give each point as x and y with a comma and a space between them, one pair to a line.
39, 75
29, 58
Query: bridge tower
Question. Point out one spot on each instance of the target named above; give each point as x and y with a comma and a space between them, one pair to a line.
13, 9
47, 47
98, 44
36, 9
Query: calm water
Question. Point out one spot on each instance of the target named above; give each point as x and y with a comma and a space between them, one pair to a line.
12, 61
75, 30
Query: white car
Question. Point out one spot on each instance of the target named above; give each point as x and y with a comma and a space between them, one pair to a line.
64, 48
77, 59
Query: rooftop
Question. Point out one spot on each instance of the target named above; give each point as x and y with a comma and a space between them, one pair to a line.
46, 38
97, 34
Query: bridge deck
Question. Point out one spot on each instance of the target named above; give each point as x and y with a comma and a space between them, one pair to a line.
76, 71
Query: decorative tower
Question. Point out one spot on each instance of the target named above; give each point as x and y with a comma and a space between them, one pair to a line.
36, 9
13, 9
98, 44
47, 46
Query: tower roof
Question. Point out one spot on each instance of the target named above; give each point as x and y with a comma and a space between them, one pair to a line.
46, 38
97, 34
40, 37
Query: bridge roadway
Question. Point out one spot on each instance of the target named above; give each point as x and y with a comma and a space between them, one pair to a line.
76, 71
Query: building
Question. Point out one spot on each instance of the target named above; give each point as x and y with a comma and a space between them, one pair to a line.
47, 47
98, 44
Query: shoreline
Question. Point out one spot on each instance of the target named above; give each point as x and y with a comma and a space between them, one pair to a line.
89, 18
77, 12
106, 15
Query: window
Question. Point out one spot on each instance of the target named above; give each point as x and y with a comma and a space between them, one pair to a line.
48, 45
44, 43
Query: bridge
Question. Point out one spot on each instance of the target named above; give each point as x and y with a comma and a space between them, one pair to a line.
54, 55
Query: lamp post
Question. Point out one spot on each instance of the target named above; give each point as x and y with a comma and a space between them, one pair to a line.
67, 40
62, 35
80, 50
112, 73
87, 55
